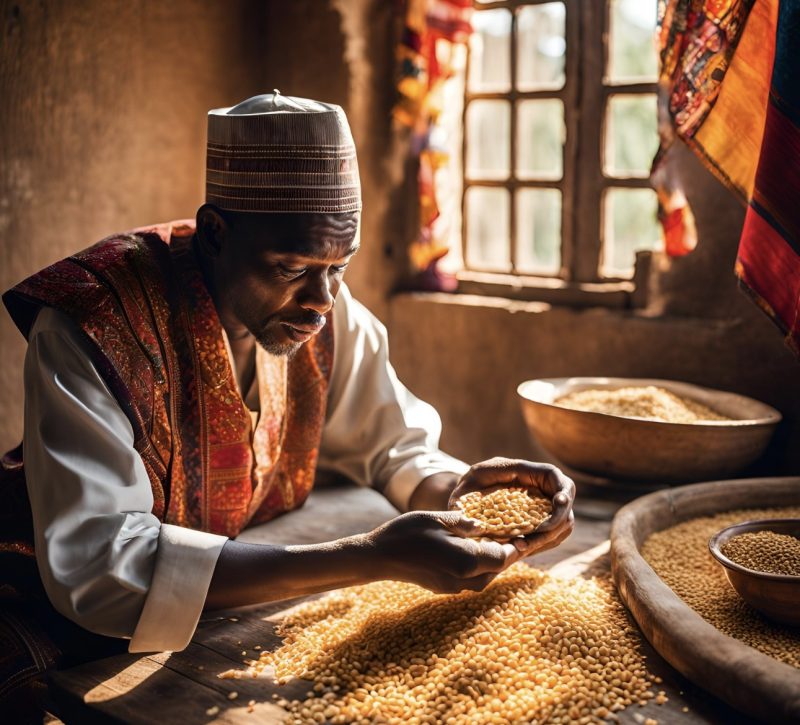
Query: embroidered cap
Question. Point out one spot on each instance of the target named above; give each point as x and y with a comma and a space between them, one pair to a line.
276, 153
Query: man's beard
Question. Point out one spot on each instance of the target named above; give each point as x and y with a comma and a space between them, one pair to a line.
279, 349
269, 335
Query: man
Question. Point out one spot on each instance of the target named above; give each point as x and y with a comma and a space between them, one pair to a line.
182, 384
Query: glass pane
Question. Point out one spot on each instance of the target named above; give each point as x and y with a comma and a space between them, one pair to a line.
490, 51
539, 230
488, 145
541, 46
630, 224
487, 228
632, 50
540, 139
631, 135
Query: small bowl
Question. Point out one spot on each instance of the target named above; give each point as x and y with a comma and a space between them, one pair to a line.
775, 595
618, 447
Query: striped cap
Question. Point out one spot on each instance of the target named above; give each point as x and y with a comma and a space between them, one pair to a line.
278, 154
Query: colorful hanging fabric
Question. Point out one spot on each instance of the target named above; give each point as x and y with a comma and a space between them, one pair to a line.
731, 70
432, 29
768, 264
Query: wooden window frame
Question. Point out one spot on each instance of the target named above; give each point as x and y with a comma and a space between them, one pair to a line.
585, 95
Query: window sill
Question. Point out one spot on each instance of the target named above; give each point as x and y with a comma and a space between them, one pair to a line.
616, 294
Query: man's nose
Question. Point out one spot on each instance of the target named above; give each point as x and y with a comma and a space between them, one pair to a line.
316, 294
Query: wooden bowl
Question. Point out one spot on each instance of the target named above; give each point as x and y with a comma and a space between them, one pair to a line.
631, 448
749, 680
775, 595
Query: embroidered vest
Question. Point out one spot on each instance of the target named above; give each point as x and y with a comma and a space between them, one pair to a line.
158, 344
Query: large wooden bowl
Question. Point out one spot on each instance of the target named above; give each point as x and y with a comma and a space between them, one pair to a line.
630, 448
742, 676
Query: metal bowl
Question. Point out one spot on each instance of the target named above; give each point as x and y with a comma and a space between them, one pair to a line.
775, 595
634, 449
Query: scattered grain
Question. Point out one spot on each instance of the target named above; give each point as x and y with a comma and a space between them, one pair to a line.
529, 648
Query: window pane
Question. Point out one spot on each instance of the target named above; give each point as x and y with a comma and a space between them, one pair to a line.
632, 51
490, 51
488, 146
540, 139
631, 135
630, 224
539, 230
487, 228
541, 46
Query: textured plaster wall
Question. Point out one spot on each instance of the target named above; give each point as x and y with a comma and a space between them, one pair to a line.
467, 355
102, 127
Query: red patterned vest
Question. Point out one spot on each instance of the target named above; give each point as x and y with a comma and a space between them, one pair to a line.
158, 344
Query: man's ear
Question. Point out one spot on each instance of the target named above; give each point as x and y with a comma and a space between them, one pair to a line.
212, 230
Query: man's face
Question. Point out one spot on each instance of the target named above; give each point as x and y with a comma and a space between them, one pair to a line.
278, 274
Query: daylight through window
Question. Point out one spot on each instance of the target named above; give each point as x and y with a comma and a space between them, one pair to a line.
552, 127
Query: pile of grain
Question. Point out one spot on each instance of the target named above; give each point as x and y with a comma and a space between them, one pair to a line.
680, 556
512, 511
765, 551
530, 648
647, 402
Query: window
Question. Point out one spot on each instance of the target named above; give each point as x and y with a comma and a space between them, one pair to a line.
558, 113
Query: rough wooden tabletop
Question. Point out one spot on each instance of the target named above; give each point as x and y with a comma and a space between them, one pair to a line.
183, 687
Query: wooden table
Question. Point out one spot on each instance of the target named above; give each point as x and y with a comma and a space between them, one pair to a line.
183, 687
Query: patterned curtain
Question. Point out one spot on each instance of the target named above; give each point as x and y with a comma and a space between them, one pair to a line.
432, 30
730, 72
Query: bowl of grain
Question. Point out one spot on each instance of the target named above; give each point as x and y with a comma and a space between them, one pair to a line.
646, 429
762, 562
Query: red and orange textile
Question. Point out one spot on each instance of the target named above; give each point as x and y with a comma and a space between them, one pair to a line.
159, 347
732, 73
141, 301
432, 28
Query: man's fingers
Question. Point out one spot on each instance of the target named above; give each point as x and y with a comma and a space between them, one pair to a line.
541, 540
472, 557
459, 524
500, 471
562, 508
494, 556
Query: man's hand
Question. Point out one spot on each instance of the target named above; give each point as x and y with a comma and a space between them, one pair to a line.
549, 480
434, 549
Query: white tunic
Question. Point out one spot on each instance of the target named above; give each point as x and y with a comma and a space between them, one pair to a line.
106, 562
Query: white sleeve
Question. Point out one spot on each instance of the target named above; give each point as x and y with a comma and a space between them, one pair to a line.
106, 562
376, 432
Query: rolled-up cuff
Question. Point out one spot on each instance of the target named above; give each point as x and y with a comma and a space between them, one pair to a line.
402, 484
185, 562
